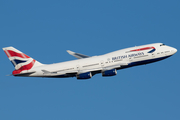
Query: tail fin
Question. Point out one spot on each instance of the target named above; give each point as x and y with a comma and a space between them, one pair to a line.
21, 61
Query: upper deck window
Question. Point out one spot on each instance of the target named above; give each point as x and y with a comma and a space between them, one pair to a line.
162, 45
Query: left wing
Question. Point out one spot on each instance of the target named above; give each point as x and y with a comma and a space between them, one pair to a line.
104, 68
72, 73
77, 55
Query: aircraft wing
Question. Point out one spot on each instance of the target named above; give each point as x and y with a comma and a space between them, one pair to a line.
60, 73
77, 55
75, 72
104, 68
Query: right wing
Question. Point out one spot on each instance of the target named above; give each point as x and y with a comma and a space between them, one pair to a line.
77, 55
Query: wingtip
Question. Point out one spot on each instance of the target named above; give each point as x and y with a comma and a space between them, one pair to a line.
70, 52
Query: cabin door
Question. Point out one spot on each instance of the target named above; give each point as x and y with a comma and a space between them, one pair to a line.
102, 63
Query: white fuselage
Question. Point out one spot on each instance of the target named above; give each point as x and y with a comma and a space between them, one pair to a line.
123, 58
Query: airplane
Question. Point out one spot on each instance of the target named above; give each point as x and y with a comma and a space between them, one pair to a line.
86, 66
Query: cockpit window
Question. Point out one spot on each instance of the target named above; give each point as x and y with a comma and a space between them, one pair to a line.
162, 45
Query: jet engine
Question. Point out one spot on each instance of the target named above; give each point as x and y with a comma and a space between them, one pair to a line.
86, 75
109, 72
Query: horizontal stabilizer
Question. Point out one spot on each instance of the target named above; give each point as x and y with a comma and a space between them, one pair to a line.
77, 55
9, 75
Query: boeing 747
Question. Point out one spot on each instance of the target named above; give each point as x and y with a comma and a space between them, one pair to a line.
86, 66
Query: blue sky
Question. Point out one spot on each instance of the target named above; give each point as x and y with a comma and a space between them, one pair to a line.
45, 29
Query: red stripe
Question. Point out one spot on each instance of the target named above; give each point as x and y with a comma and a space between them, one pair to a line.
15, 54
145, 48
25, 67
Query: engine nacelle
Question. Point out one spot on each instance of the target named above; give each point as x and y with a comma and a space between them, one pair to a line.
86, 75
109, 72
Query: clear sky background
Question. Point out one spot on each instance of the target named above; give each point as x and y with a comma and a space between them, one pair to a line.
45, 29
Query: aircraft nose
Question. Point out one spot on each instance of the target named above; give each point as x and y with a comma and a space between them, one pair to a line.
174, 50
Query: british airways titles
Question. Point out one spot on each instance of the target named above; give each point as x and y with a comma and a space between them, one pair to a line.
128, 56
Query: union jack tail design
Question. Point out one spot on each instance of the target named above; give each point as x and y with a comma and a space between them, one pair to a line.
21, 61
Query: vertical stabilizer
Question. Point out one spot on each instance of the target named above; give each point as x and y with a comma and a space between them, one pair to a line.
21, 61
